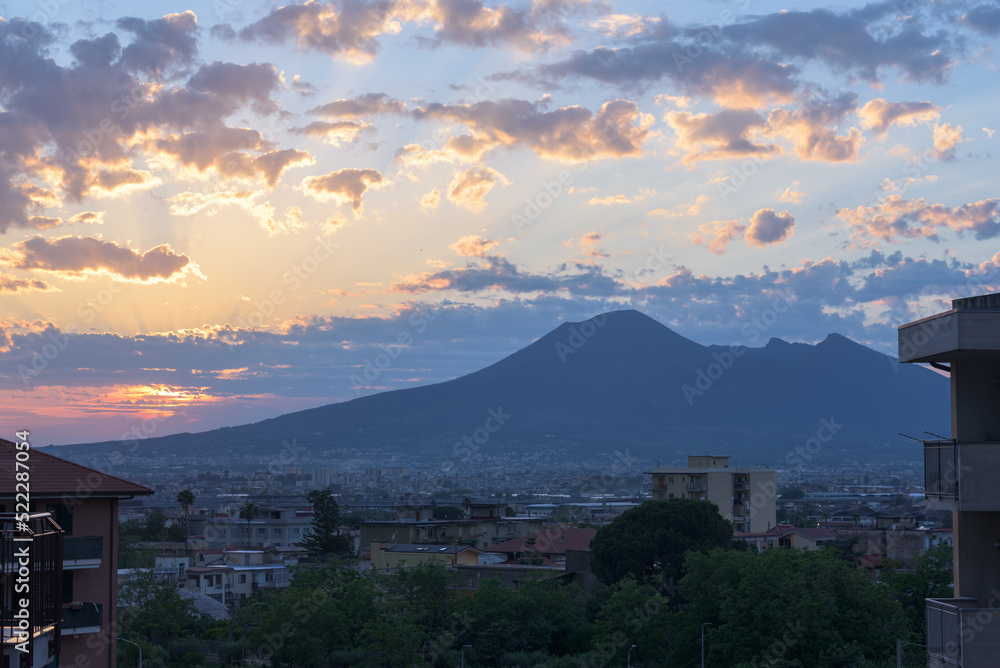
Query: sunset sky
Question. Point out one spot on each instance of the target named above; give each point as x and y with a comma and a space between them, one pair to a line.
218, 212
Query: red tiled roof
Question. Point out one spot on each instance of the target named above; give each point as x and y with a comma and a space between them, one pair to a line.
551, 541
54, 476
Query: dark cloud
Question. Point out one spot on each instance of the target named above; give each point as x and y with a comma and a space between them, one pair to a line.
985, 18
74, 256
769, 227
159, 44
344, 186
243, 84
570, 134
10, 283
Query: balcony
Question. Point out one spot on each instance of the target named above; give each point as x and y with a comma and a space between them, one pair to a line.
86, 619
960, 633
38, 541
697, 487
959, 475
82, 552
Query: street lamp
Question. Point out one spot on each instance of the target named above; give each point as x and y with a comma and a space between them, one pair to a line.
463, 654
703, 642
137, 645
629, 659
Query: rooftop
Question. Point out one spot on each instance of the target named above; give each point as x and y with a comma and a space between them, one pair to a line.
54, 476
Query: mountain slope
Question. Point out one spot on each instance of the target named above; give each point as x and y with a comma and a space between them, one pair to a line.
623, 380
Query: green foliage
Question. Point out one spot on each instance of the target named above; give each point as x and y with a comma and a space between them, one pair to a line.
249, 512
793, 493
784, 604
930, 578
153, 610
650, 541
325, 539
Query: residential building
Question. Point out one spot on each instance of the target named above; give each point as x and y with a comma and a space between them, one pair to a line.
391, 555
276, 526
82, 504
485, 526
791, 537
552, 544
744, 496
960, 474
237, 573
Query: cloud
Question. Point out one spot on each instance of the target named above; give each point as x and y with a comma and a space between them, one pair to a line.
344, 186
350, 34
368, 104
191, 203
469, 188
945, 139
609, 200
430, 201
722, 135
159, 44
473, 245
77, 256
717, 235
879, 115
768, 227
350, 31
848, 43
89, 217
568, 134
813, 129
250, 85
588, 245
337, 133
895, 218
985, 18
9, 283
791, 195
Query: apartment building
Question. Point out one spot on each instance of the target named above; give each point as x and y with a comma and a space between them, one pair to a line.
280, 526
961, 472
236, 573
485, 525
744, 496
75, 522
392, 555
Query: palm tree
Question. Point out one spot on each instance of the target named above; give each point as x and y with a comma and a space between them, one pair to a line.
249, 512
185, 497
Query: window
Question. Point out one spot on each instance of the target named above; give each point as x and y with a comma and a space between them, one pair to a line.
670, 480
243, 578
277, 532
671, 495
296, 532
67, 587
261, 531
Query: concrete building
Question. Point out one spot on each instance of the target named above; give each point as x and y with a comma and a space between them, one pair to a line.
960, 474
485, 526
236, 573
391, 555
744, 496
74, 531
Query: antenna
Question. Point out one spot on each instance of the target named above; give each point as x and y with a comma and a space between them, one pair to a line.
937, 435
919, 440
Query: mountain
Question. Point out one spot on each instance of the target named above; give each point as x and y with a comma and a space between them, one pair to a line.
622, 380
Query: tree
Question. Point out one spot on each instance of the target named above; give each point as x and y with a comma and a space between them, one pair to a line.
652, 539
249, 512
185, 497
786, 608
325, 538
930, 578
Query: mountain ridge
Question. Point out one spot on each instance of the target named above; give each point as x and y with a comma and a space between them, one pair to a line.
623, 380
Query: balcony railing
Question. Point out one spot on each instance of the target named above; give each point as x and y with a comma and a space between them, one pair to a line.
82, 552
41, 539
86, 619
696, 487
941, 470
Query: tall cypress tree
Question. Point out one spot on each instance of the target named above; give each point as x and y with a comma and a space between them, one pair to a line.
325, 540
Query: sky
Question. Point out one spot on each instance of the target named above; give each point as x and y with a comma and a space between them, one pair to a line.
219, 212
